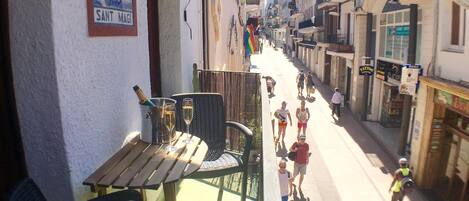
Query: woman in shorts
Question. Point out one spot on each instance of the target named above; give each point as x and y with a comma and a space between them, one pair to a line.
281, 115
302, 113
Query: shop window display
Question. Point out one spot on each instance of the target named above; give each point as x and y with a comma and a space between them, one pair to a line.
391, 111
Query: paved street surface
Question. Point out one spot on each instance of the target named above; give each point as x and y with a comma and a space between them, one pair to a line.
345, 163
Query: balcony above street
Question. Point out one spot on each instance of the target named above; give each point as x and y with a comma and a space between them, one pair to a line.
337, 42
340, 48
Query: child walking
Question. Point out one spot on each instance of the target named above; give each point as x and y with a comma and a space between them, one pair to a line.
285, 178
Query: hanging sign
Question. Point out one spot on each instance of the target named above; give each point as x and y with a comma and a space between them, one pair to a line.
366, 70
112, 17
409, 79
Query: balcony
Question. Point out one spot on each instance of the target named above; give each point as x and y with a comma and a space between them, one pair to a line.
328, 5
338, 42
252, 2
246, 101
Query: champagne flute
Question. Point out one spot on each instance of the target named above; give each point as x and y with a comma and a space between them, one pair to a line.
188, 114
170, 121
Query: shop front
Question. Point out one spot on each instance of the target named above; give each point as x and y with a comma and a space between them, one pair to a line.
391, 101
446, 163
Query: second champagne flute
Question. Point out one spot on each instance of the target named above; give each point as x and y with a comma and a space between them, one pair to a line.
188, 114
170, 121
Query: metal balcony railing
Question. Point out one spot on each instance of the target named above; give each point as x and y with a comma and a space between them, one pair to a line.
338, 42
246, 101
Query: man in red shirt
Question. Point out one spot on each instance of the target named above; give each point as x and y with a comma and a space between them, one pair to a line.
301, 160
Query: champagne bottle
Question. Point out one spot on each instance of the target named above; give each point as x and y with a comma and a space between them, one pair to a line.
143, 100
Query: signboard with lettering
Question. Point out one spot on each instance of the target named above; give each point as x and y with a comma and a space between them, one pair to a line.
409, 80
366, 70
112, 17
451, 100
386, 70
402, 30
381, 72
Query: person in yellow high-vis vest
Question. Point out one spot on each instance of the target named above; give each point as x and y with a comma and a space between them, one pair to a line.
401, 174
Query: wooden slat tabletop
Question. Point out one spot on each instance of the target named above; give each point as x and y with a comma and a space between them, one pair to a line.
142, 165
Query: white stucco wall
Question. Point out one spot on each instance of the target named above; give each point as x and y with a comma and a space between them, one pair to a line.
95, 76
37, 99
178, 52
74, 92
220, 57
191, 49
450, 64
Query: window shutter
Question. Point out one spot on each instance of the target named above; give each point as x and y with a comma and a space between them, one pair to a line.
455, 24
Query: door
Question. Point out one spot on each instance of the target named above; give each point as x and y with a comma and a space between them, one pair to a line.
12, 165
349, 78
327, 70
460, 175
154, 48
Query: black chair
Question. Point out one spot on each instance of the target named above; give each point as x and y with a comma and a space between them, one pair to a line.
125, 195
27, 190
209, 125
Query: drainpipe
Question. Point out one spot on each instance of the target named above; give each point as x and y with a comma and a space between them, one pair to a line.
407, 107
435, 42
205, 50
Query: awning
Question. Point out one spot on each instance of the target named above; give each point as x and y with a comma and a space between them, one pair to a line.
310, 30
307, 44
295, 15
341, 54
327, 5
305, 24
449, 86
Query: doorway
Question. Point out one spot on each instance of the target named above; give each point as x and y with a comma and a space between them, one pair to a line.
447, 162
12, 164
327, 69
154, 48
349, 80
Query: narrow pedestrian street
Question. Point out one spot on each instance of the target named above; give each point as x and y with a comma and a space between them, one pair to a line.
345, 163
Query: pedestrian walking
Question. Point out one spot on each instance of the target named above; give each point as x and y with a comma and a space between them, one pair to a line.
270, 85
301, 148
310, 88
261, 45
300, 83
285, 178
303, 115
402, 182
281, 115
336, 101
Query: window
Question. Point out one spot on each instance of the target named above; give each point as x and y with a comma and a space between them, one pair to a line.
374, 22
394, 35
455, 24
458, 27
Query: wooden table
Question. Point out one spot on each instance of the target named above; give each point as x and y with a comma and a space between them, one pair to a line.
140, 165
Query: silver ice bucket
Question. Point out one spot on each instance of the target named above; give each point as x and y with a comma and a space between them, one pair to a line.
153, 127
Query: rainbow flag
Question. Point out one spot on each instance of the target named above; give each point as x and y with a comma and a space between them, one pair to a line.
249, 43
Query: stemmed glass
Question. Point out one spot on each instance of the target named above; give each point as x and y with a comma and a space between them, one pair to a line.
169, 112
188, 114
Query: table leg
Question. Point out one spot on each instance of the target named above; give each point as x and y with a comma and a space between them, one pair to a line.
169, 191
101, 190
143, 193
